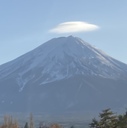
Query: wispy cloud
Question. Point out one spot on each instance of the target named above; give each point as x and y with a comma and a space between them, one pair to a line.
74, 27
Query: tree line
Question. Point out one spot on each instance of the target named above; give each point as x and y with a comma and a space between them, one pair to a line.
9, 122
108, 119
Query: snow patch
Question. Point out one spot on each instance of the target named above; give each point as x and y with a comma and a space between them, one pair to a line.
22, 82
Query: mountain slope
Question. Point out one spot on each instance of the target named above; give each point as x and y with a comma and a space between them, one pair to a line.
64, 74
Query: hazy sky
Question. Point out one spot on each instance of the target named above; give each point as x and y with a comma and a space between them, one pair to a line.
26, 24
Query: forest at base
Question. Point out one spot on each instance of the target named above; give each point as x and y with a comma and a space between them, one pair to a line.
106, 119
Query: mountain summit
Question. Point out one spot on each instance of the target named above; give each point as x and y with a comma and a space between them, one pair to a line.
64, 74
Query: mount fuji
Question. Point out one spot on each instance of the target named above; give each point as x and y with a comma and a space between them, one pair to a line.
63, 75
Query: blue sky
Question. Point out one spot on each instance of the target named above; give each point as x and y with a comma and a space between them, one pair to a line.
26, 24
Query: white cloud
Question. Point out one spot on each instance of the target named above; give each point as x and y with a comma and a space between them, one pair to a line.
73, 27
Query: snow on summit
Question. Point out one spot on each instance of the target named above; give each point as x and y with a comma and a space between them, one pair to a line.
61, 58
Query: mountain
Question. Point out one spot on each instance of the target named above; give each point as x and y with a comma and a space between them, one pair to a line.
63, 75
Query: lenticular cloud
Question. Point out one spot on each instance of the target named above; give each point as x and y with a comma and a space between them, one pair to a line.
73, 27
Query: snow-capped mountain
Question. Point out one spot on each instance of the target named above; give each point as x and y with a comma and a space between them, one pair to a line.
64, 74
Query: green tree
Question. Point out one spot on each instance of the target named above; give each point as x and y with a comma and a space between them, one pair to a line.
122, 121
94, 124
72, 126
26, 125
107, 120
